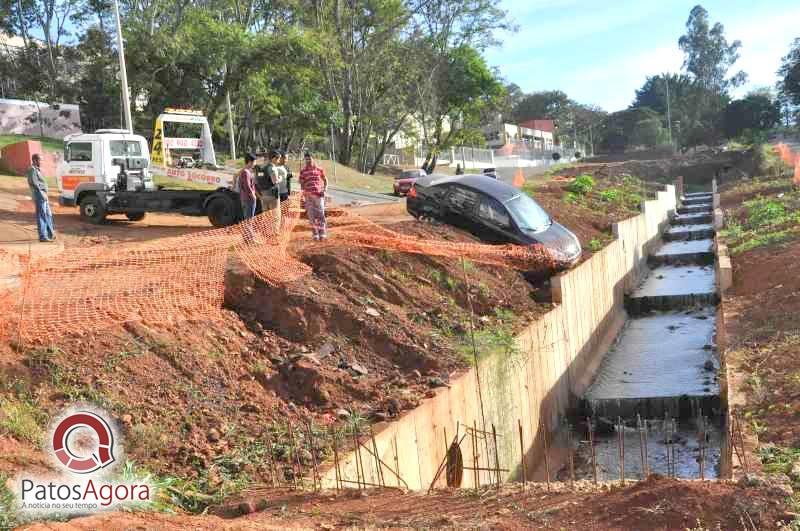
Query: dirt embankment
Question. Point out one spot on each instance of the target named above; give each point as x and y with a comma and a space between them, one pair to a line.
368, 335
655, 504
697, 168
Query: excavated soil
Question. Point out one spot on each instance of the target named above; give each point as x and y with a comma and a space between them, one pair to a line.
655, 504
369, 332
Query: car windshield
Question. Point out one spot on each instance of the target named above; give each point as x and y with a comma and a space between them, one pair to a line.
411, 174
125, 148
527, 213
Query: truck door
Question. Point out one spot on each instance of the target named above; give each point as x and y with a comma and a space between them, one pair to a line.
82, 165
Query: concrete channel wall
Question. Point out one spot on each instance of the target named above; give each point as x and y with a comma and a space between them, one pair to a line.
535, 384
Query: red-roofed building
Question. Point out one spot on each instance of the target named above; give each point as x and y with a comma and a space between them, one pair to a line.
539, 125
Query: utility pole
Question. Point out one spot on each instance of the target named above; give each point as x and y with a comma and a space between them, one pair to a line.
231, 133
123, 74
669, 115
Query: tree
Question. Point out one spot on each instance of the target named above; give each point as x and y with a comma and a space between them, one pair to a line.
550, 104
638, 126
756, 112
789, 83
709, 57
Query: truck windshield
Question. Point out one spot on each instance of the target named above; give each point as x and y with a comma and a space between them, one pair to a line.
528, 214
125, 148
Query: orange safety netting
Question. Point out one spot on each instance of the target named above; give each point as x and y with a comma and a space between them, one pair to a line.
791, 159
180, 278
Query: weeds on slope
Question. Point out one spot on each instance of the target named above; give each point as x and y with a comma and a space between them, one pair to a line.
763, 221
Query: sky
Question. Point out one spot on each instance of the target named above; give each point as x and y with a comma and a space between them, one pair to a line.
600, 51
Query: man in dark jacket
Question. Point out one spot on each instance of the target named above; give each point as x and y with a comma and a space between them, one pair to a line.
38, 185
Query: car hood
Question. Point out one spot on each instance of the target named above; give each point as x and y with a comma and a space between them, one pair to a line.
410, 180
560, 240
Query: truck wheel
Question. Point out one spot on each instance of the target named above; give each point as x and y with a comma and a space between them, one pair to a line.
92, 210
135, 216
221, 212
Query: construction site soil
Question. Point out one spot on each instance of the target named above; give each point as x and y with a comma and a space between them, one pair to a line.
763, 322
655, 504
368, 335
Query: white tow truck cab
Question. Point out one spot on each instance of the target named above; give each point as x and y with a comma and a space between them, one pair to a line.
107, 172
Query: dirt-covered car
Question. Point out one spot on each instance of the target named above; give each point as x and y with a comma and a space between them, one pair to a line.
495, 211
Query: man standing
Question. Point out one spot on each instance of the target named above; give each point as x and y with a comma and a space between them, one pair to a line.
286, 186
314, 183
38, 185
247, 194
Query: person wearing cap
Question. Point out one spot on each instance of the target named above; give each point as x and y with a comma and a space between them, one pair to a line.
314, 183
38, 186
247, 194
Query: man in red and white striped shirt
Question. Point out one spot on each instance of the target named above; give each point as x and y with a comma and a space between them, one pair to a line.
314, 183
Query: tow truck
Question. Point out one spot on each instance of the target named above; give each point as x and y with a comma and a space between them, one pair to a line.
109, 172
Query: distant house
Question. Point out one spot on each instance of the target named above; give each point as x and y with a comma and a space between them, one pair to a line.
531, 134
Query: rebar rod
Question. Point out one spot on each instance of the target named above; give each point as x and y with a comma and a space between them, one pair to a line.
522, 455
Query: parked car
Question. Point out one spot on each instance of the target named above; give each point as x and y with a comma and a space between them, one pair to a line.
495, 211
406, 179
186, 162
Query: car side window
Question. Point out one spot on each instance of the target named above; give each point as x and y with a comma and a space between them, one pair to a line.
79, 152
462, 200
491, 211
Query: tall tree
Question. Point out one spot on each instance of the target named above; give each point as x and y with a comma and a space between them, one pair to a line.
709, 56
757, 112
789, 82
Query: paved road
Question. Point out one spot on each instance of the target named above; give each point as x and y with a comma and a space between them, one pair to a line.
347, 197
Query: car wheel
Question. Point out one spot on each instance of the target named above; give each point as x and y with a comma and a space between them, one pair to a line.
135, 216
221, 212
93, 210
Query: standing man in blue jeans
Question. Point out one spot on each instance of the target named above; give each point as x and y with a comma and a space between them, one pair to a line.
38, 185
247, 195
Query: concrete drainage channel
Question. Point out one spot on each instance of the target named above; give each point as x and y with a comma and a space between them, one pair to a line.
655, 401
630, 345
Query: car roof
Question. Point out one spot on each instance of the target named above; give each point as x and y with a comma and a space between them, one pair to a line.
498, 189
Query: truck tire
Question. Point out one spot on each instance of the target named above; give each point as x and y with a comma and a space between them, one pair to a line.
93, 210
222, 211
135, 216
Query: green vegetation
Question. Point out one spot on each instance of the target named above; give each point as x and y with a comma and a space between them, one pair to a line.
496, 338
765, 221
617, 193
22, 419
582, 185
8, 510
48, 144
769, 163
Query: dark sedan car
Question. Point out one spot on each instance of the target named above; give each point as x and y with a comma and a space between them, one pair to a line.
492, 210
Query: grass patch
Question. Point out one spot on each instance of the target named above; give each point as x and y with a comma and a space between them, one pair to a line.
582, 185
763, 221
48, 144
494, 338
22, 419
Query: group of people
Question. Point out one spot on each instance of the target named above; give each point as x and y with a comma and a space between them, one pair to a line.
271, 185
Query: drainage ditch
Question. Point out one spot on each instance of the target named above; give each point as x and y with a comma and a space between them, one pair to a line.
654, 405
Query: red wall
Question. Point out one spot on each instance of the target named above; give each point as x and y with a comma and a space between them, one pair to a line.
17, 157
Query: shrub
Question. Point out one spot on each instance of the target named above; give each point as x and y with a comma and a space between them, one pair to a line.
763, 212
582, 185
610, 196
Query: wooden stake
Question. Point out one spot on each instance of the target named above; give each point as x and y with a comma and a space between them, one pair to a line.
543, 426
475, 455
522, 455
316, 478
594, 451
496, 456
377, 457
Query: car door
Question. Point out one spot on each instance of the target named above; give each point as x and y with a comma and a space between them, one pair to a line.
81, 159
460, 204
494, 221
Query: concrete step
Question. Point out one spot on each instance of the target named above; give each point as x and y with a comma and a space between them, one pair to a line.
706, 208
701, 231
684, 252
697, 194
697, 200
664, 362
670, 287
692, 219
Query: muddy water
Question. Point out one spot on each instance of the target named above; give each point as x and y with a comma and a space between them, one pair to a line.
684, 452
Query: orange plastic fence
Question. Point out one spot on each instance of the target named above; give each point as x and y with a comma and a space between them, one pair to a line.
791, 159
182, 278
